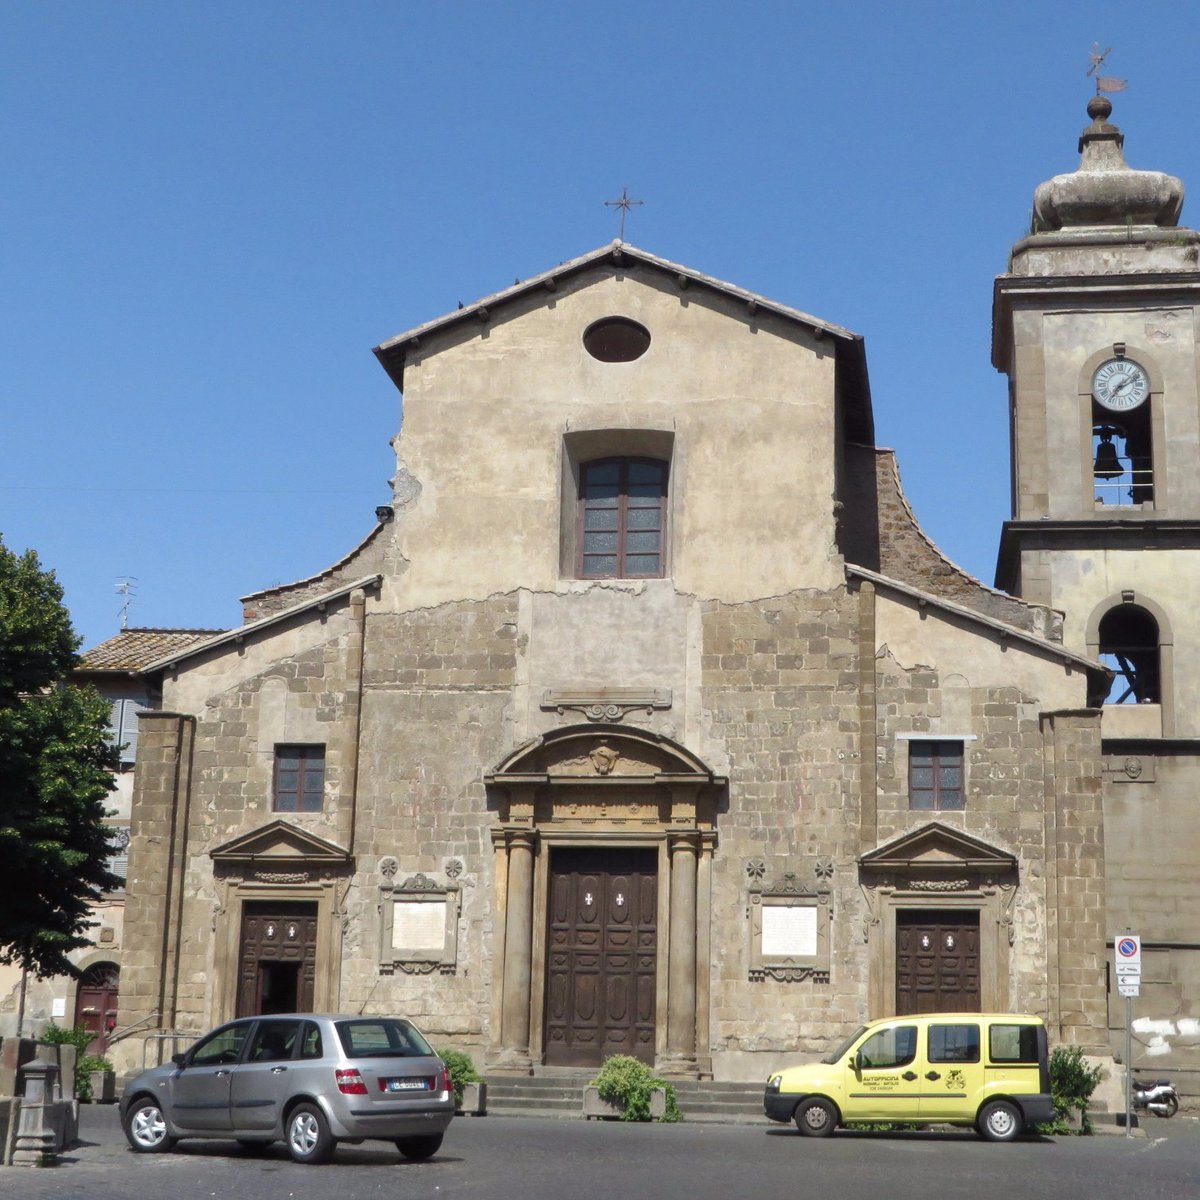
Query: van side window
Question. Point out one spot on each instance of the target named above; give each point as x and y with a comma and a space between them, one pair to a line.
890, 1047
1013, 1043
954, 1043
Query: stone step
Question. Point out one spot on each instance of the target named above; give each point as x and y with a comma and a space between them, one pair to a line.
560, 1094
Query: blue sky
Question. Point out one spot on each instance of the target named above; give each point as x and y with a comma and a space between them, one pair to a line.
212, 213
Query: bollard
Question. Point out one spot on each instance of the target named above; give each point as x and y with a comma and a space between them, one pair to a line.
37, 1143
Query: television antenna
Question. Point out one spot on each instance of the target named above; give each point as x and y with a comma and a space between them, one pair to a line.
126, 589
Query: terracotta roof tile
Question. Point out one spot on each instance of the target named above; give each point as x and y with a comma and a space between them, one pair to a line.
132, 649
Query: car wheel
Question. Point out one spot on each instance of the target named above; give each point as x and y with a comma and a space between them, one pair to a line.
816, 1118
417, 1148
308, 1136
146, 1127
1000, 1121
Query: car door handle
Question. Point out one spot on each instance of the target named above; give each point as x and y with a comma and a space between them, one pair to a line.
909, 1075
278, 1070
932, 1075
221, 1072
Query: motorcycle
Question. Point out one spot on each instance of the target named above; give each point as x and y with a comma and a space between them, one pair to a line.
1157, 1096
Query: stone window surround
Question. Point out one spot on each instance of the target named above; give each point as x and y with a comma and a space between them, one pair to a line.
581, 446
902, 768
1158, 439
304, 752
1166, 646
935, 739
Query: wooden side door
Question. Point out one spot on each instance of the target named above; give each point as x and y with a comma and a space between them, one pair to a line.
96, 1001
278, 962
602, 955
937, 961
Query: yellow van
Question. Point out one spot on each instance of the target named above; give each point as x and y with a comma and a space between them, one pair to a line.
990, 1070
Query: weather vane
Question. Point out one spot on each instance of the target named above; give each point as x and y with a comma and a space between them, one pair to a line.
624, 204
1104, 83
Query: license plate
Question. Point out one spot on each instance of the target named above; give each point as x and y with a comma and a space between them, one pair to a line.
406, 1085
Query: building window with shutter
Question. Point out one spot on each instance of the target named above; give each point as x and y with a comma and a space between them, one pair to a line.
299, 778
935, 775
123, 729
622, 518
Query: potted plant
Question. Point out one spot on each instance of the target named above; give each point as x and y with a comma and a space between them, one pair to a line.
628, 1090
97, 1081
470, 1089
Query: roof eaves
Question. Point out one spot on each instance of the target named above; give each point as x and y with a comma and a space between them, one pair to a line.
1051, 649
392, 352
243, 632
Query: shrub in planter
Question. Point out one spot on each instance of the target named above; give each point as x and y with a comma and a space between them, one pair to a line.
87, 1066
628, 1083
1072, 1083
80, 1038
462, 1071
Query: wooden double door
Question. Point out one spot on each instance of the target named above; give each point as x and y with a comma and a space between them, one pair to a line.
602, 955
937, 961
278, 957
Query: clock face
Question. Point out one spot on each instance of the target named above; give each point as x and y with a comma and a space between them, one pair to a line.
1120, 384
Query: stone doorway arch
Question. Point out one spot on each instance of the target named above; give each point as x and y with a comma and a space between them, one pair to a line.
603, 786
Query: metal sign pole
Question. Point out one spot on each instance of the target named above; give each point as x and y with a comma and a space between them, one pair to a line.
1128, 1066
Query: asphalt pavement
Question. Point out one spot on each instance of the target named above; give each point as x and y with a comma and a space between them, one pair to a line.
511, 1158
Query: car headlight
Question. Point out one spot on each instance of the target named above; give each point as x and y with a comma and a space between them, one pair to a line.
774, 1082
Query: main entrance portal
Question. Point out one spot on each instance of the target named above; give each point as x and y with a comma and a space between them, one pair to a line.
601, 955
937, 961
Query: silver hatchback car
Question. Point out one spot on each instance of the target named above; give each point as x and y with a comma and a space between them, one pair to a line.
310, 1079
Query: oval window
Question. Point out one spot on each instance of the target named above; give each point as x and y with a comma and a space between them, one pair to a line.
616, 339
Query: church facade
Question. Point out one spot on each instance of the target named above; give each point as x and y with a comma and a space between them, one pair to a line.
648, 720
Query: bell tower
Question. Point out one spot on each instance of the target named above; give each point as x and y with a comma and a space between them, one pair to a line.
1096, 325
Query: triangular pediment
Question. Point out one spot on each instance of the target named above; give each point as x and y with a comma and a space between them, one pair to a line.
936, 845
280, 842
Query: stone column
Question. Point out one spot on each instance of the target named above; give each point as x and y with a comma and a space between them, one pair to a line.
518, 954
39, 1132
680, 1058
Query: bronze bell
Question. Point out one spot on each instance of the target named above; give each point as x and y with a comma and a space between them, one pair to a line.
1108, 465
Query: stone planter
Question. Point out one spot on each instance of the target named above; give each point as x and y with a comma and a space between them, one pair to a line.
104, 1087
594, 1106
474, 1100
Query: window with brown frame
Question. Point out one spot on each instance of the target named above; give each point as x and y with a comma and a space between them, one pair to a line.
935, 775
622, 518
299, 778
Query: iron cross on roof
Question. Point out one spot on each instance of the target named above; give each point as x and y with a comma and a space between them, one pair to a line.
624, 204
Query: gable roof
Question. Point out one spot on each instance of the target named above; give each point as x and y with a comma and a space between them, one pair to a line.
243, 632
131, 649
850, 350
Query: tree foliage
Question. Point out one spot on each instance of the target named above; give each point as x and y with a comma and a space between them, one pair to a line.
55, 775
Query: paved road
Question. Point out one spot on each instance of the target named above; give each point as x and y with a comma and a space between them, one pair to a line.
498, 1158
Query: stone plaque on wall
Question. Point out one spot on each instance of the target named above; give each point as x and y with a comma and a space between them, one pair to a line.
789, 925
418, 925
789, 930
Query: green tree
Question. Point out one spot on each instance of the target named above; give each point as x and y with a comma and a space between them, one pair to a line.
55, 774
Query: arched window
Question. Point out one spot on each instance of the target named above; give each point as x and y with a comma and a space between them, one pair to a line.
622, 518
1129, 646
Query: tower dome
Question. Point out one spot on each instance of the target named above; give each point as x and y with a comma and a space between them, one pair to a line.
1104, 189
